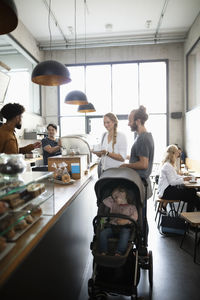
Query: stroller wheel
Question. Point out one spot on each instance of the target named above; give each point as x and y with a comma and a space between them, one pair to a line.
90, 288
150, 269
101, 296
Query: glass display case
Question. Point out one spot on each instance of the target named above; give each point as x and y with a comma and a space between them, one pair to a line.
22, 204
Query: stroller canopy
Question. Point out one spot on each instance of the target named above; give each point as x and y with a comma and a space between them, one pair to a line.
113, 177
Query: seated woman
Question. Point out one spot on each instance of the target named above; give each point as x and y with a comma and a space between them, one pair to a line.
50, 145
171, 185
118, 204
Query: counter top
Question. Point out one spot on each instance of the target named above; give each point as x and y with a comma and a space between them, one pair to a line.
34, 159
64, 195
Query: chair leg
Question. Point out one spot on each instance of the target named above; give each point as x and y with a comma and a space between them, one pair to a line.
183, 238
157, 204
183, 205
159, 219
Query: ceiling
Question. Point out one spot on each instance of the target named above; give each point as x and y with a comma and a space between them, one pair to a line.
95, 23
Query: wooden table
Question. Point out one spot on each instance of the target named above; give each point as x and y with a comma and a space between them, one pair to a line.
192, 184
192, 219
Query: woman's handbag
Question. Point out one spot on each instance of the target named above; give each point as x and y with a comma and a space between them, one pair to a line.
170, 224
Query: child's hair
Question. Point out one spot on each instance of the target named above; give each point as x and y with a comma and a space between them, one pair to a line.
120, 188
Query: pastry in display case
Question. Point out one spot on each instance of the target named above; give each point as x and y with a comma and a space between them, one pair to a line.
21, 206
11, 166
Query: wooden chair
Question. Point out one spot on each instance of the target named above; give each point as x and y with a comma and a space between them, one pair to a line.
192, 219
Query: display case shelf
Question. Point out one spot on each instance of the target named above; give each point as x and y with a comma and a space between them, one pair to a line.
16, 220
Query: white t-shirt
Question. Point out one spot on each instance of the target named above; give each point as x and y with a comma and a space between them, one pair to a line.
119, 148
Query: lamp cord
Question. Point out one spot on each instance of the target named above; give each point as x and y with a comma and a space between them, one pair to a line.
49, 21
85, 46
75, 29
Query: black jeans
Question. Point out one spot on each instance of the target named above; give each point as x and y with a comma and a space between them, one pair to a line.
184, 194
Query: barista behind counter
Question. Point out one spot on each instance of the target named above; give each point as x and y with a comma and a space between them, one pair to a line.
50, 145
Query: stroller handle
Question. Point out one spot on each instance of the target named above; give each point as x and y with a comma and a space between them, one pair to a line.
144, 181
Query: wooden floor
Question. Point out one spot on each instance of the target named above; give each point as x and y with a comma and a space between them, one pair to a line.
175, 274
64, 261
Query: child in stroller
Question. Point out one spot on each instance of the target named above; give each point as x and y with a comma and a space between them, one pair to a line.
118, 203
119, 274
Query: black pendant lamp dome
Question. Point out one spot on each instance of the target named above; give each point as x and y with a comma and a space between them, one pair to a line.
50, 73
8, 16
85, 108
76, 97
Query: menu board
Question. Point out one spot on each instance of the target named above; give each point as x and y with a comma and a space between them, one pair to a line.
4, 82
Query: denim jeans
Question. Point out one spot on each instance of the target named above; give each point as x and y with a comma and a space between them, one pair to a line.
105, 234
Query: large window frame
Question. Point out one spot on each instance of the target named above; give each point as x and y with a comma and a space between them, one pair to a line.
88, 117
192, 74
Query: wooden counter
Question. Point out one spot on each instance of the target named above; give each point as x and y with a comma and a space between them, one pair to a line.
64, 195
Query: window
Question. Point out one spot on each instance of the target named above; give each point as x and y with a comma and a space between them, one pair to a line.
193, 76
118, 87
22, 90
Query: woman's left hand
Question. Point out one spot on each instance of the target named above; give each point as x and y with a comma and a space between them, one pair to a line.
124, 166
103, 152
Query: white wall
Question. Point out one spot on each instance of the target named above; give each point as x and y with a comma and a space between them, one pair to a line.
172, 52
192, 118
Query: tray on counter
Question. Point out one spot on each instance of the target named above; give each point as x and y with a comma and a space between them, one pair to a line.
62, 182
19, 232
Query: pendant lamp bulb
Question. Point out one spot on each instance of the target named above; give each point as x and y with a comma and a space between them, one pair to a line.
50, 72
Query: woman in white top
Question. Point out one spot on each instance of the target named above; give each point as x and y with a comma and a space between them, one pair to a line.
113, 144
171, 185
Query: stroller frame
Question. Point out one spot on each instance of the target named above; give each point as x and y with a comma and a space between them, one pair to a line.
137, 255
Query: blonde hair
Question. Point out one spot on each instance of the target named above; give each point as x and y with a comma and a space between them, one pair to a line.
114, 119
170, 155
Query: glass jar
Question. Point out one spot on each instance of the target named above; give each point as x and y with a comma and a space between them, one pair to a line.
11, 165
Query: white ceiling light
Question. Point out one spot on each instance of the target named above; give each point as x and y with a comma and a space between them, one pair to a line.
148, 24
108, 27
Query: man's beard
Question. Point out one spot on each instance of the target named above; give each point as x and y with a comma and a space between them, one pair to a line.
134, 127
18, 126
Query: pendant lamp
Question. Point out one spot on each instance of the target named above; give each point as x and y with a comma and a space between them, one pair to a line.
85, 108
75, 97
8, 16
50, 72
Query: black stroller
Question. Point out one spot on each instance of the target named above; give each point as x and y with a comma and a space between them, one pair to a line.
120, 275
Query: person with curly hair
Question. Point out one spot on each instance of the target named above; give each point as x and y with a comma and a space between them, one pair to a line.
12, 112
